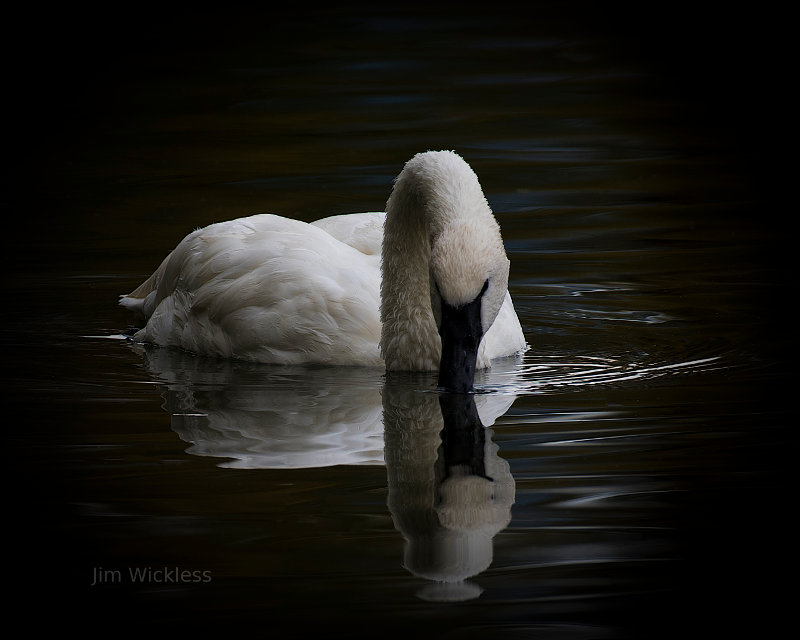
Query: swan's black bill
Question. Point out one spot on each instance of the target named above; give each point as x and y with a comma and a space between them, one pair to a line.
461, 332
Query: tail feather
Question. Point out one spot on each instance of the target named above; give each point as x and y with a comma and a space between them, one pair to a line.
140, 300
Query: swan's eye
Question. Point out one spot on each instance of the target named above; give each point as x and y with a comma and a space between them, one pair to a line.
485, 287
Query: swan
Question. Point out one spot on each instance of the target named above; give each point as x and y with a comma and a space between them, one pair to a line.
421, 287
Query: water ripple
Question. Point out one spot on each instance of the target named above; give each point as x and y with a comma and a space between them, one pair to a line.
537, 374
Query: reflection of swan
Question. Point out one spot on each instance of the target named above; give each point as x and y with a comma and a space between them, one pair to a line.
449, 491
275, 290
265, 417
269, 417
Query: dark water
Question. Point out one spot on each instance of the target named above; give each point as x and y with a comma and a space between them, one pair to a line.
638, 453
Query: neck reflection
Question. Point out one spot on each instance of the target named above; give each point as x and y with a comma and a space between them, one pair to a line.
449, 491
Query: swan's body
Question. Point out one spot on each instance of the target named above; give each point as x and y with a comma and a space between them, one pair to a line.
267, 289
360, 289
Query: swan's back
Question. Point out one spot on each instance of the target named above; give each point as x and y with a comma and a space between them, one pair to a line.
266, 289
362, 231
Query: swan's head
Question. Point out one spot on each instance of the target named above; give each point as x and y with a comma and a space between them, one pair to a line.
438, 221
469, 279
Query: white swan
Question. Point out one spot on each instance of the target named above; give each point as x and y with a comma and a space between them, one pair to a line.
422, 287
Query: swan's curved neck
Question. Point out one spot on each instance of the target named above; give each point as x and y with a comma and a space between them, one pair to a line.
409, 338
434, 190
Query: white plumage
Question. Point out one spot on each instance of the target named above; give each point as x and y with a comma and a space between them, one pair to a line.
275, 290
